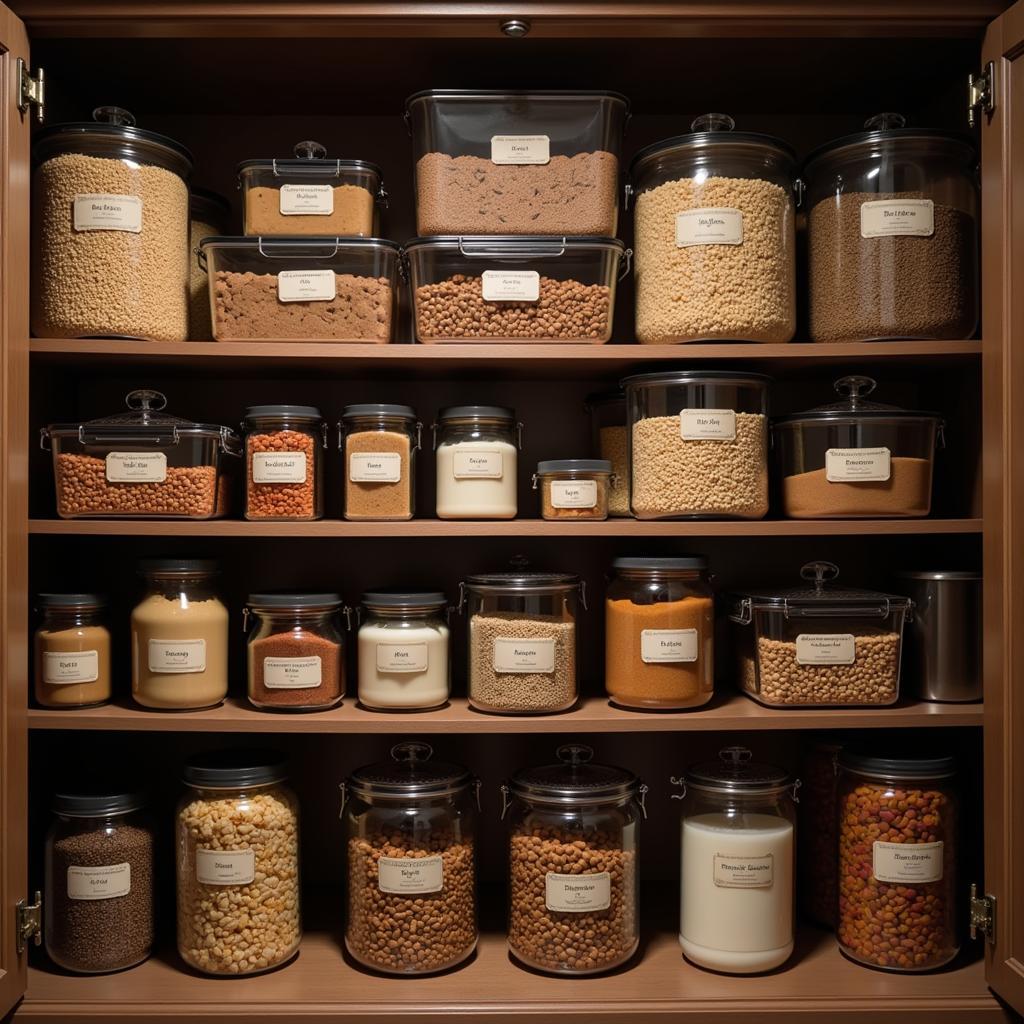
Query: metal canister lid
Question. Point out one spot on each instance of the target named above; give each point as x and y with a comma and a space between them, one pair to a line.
297, 600
735, 772
574, 779
574, 466
404, 599
918, 766
96, 801
405, 412
476, 412
411, 772
228, 769
179, 566
70, 601
289, 412
681, 564
522, 581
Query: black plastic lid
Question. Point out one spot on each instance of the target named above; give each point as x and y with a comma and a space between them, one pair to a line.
405, 412
855, 406
289, 412
404, 599
698, 377
297, 600
735, 772
575, 778
497, 94
474, 412
412, 772
70, 601
684, 564
574, 466
179, 566
913, 767
523, 581
96, 801
229, 769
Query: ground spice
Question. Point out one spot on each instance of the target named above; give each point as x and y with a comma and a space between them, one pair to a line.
296, 500
378, 500
319, 679
553, 505
352, 215
907, 492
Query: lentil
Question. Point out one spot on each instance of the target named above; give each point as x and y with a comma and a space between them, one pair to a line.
297, 643
379, 500
281, 500
907, 492
352, 214
614, 445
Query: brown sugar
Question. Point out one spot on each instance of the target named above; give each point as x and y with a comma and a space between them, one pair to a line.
907, 492
385, 499
352, 214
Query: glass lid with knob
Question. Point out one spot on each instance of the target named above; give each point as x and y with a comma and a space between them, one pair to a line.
736, 773
575, 778
855, 407
411, 772
310, 160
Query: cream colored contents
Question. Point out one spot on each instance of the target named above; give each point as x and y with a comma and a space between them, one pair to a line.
476, 497
403, 690
72, 640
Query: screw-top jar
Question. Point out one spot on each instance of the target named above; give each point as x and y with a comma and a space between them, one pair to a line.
72, 651
378, 445
573, 853
284, 462
574, 488
410, 828
610, 440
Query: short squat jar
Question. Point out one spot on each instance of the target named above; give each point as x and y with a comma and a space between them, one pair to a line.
410, 832
573, 863
99, 881
284, 447
379, 443
72, 651
574, 488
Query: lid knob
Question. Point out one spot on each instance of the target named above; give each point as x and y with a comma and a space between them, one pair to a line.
735, 755
712, 123
574, 753
114, 115
820, 573
855, 387
310, 150
885, 122
411, 752
145, 400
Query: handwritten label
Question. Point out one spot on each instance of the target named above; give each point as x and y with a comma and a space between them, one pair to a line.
402, 657
888, 218
712, 225
669, 645
136, 467
573, 493
225, 867
577, 894
306, 286
849, 465
292, 673
826, 649
510, 285
744, 872
108, 213
72, 667
410, 874
279, 468
478, 463
375, 467
176, 657
535, 655
311, 200
707, 424
99, 883
520, 149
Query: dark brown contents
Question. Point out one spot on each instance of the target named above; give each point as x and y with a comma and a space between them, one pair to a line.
281, 501
296, 644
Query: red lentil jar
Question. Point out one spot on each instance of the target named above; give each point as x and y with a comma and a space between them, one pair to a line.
897, 861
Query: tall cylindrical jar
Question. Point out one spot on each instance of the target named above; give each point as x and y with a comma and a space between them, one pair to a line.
736, 913
378, 444
72, 651
237, 855
573, 863
410, 830
610, 440
284, 447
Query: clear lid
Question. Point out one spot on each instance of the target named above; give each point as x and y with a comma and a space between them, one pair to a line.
522, 582
670, 377
953, 575
573, 466
854, 407
574, 779
235, 769
283, 247
515, 247
736, 773
310, 161
918, 765
491, 96
411, 772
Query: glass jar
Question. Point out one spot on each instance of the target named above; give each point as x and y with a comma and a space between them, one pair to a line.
698, 444
715, 236
209, 214
523, 650
659, 633
237, 858
898, 888
179, 636
818, 832
573, 864
477, 450
98, 881
574, 488
110, 228
610, 440
296, 652
892, 234
284, 462
72, 651
410, 830
403, 651
378, 445
736, 897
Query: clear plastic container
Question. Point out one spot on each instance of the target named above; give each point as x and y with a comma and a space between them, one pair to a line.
573, 864
611, 441
819, 645
310, 195
302, 289
514, 289
284, 447
698, 444
714, 233
378, 444
856, 458
892, 234
143, 463
72, 651
492, 162
209, 214
574, 488
410, 831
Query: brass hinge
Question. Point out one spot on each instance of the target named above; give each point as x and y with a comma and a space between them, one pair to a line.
981, 93
30, 922
983, 915
31, 90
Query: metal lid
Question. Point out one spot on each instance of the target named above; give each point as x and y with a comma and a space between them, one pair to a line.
855, 407
476, 412
179, 567
683, 564
311, 159
410, 773
697, 377
574, 466
229, 769
522, 581
70, 601
916, 766
405, 412
404, 599
575, 778
940, 574
315, 247
489, 95
146, 419
297, 600
820, 594
290, 412
735, 772
96, 801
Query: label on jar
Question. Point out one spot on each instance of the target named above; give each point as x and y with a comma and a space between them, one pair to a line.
375, 467
707, 424
843, 465
410, 874
574, 494
526, 654
306, 286
744, 872
312, 200
72, 667
108, 213
292, 673
711, 225
577, 894
479, 463
136, 467
225, 867
825, 649
888, 217
906, 862
99, 883
402, 657
279, 468
173, 657
520, 149
669, 645
510, 285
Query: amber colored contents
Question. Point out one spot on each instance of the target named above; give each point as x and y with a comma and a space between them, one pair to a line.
907, 492
73, 640
384, 500
296, 644
353, 214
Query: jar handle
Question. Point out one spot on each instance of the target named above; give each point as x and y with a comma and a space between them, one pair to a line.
643, 791
574, 753
796, 785
419, 436
506, 801
678, 780
343, 786
412, 750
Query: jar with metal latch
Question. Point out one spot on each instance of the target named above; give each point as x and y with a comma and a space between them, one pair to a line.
378, 444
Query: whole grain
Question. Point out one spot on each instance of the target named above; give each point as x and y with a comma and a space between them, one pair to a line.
907, 492
614, 446
379, 500
352, 214
282, 500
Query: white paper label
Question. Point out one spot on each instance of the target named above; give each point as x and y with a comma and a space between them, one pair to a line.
669, 645
136, 467
707, 424
906, 862
375, 467
744, 872
108, 213
311, 200
843, 465
225, 867
535, 655
713, 225
480, 462
577, 894
71, 667
176, 657
279, 468
99, 883
306, 286
573, 493
886, 218
292, 673
510, 285
402, 657
410, 874
520, 149
825, 649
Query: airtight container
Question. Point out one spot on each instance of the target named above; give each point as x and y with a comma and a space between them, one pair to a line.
856, 458
498, 162
301, 289
378, 444
310, 195
142, 463
573, 488
72, 651
610, 440
892, 234
819, 644
284, 447
209, 214
513, 289
714, 236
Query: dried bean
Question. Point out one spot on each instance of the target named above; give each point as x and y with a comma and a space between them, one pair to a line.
293, 500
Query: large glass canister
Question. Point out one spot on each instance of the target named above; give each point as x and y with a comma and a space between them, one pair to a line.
378, 445
714, 236
410, 832
737, 900
898, 851
284, 447
110, 231
573, 864
72, 651
892, 234
610, 440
